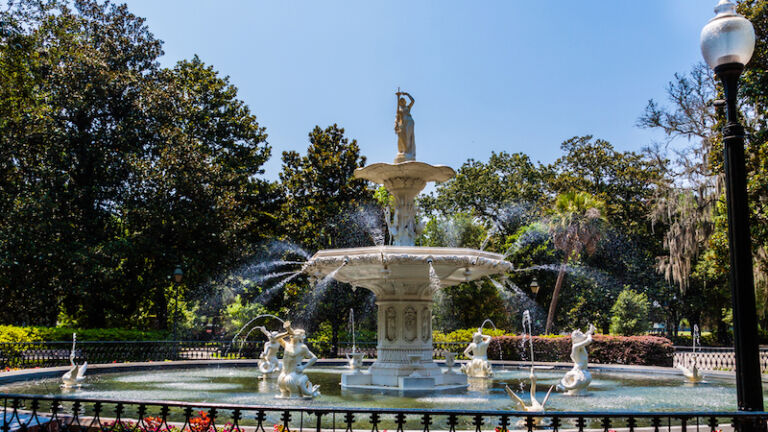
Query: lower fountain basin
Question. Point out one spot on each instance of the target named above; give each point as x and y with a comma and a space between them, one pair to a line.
647, 389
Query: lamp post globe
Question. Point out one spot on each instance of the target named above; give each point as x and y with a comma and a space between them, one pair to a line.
727, 44
728, 37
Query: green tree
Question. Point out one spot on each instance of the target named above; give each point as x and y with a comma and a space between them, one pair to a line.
624, 181
483, 188
114, 171
71, 113
630, 314
321, 196
576, 225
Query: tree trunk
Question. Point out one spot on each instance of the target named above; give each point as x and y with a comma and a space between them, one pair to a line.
555, 295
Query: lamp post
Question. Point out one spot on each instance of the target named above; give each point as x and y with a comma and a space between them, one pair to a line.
178, 276
534, 287
727, 43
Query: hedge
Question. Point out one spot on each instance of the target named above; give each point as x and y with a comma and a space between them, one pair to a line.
629, 350
52, 334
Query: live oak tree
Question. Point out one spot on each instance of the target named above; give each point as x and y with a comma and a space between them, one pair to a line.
321, 198
114, 170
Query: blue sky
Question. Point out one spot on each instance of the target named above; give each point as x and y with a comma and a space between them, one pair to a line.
515, 76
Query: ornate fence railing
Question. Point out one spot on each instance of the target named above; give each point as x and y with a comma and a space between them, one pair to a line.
716, 360
44, 354
57, 414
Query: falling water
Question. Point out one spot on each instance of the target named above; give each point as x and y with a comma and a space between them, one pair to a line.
282, 247
271, 264
695, 338
488, 237
516, 299
251, 321
352, 328
369, 220
527, 335
269, 293
488, 320
74, 342
537, 235
316, 293
434, 279
498, 341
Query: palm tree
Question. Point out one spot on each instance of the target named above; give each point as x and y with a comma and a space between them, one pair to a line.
576, 225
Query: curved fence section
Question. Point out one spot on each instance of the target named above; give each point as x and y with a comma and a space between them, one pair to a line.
46, 354
37, 413
716, 360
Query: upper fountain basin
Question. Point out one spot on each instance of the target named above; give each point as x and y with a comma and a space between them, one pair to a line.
381, 268
382, 173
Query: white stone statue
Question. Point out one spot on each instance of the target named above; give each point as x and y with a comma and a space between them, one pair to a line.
76, 374
478, 365
355, 359
406, 142
535, 406
577, 379
450, 362
692, 374
293, 382
268, 362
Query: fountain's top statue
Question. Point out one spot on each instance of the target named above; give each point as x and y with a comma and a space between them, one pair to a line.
406, 140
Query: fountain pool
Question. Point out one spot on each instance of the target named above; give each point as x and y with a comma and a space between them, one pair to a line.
609, 391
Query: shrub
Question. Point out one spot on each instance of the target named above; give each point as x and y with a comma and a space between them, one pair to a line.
465, 335
629, 315
52, 334
635, 350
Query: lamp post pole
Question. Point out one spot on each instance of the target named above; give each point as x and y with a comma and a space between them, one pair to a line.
727, 44
748, 378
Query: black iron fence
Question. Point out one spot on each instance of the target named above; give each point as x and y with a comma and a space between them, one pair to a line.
438, 349
45, 354
55, 414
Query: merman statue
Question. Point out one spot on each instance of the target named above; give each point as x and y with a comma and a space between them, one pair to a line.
268, 362
76, 374
577, 379
293, 382
478, 365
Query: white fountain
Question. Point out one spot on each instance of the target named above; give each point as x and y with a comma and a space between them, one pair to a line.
692, 373
534, 405
269, 365
75, 376
399, 275
478, 365
355, 357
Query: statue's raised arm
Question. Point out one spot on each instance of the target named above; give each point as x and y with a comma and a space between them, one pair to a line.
410, 104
